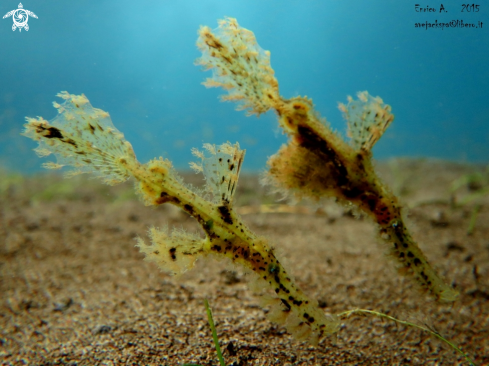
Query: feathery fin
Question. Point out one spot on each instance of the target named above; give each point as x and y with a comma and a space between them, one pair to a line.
221, 170
175, 253
368, 118
82, 137
239, 66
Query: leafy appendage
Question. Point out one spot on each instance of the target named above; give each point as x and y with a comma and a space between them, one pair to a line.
82, 137
239, 66
175, 253
367, 118
221, 170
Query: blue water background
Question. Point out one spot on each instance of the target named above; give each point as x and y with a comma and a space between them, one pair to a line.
134, 59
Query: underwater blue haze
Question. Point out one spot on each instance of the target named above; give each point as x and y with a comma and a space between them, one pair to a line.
134, 59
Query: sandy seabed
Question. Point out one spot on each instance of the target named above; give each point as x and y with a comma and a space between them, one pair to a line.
76, 291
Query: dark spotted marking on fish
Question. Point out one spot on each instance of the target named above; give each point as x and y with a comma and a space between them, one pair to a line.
225, 214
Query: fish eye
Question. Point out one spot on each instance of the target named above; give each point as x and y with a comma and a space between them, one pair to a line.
272, 268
